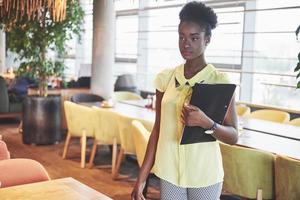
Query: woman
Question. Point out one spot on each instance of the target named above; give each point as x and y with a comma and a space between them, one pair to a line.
192, 171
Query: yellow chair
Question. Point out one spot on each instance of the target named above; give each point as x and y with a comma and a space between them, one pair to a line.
295, 122
141, 137
125, 95
271, 115
106, 132
242, 110
126, 138
248, 173
287, 178
80, 123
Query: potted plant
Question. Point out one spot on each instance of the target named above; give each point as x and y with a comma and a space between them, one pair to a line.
34, 35
297, 68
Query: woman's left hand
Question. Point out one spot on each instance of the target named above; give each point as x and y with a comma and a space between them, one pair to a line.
193, 116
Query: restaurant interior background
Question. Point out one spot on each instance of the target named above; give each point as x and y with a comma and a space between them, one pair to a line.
254, 43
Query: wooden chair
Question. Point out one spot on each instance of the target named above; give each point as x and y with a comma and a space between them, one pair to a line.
85, 97
106, 133
141, 137
125, 95
295, 122
127, 142
248, 173
242, 110
80, 123
271, 115
287, 178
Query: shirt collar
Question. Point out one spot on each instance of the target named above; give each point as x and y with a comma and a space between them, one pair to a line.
201, 76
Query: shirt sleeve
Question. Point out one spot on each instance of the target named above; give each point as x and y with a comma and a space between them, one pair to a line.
223, 78
162, 79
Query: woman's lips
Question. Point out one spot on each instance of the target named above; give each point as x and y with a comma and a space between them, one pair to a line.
187, 53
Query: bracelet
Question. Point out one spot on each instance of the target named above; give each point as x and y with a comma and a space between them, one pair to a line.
212, 129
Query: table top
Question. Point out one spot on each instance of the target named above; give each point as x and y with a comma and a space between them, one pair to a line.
274, 142
272, 128
62, 189
129, 110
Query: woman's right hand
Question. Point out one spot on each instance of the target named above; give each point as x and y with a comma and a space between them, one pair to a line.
137, 192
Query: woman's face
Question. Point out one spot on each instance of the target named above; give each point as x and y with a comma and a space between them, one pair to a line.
192, 40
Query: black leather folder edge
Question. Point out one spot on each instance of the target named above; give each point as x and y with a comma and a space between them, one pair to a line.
213, 100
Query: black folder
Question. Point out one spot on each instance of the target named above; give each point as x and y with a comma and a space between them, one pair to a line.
213, 100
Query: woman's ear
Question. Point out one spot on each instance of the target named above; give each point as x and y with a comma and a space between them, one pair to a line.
207, 40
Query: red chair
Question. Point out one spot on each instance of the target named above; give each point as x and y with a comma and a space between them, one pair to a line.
19, 170
4, 153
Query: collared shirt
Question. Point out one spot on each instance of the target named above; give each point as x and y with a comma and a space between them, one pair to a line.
192, 165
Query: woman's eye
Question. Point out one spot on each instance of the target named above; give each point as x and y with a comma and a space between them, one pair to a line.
195, 38
181, 39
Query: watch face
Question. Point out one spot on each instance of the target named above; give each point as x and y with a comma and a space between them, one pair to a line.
209, 132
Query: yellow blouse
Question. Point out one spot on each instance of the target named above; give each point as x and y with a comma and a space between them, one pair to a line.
192, 165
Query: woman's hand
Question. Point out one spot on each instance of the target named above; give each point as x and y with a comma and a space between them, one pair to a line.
193, 116
137, 192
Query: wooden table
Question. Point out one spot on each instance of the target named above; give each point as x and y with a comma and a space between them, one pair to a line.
139, 103
59, 189
276, 143
263, 126
271, 128
273, 144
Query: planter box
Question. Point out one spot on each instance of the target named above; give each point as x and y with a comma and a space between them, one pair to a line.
41, 120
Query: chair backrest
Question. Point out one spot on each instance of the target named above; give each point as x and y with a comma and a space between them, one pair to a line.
295, 122
125, 95
126, 133
125, 82
4, 153
79, 117
271, 115
141, 137
106, 125
21, 171
287, 178
247, 170
4, 100
242, 110
85, 97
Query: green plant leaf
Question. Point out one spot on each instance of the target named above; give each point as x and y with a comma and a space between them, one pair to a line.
31, 39
297, 67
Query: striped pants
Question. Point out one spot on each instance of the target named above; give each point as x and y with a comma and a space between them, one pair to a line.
168, 191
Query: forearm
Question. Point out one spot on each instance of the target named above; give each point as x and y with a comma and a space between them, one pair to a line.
226, 134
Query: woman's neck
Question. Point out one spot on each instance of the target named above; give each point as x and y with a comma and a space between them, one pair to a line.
192, 67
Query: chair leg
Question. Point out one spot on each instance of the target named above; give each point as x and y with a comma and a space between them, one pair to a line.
114, 156
66, 146
83, 148
259, 195
146, 187
20, 127
115, 173
93, 153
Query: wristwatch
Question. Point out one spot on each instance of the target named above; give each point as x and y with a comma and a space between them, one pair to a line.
212, 129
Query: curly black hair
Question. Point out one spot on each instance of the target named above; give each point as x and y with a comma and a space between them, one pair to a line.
199, 13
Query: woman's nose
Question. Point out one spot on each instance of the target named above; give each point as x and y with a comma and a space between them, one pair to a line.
187, 44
